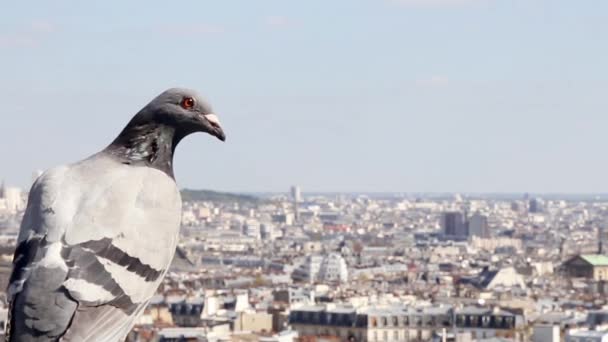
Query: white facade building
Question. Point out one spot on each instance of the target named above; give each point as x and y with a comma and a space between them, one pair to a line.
13, 199
330, 268
252, 228
333, 269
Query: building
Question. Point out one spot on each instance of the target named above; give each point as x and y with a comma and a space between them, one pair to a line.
283, 218
187, 313
12, 199
344, 323
590, 266
331, 268
179, 334
535, 205
270, 232
453, 225
253, 321
489, 279
602, 238
587, 336
478, 226
402, 323
294, 296
296, 194
546, 333
482, 323
308, 270
252, 228
597, 319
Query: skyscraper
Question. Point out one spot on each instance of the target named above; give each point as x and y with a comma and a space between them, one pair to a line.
535, 205
478, 226
453, 225
296, 196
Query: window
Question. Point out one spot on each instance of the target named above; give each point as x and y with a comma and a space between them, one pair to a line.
445, 321
316, 317
485, 321
474, 321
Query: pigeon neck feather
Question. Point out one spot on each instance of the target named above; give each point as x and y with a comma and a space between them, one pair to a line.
148, 144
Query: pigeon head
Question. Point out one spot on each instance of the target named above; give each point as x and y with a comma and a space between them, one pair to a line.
183, 110
154, 132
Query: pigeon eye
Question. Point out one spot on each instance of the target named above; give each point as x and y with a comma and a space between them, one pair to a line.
187, 103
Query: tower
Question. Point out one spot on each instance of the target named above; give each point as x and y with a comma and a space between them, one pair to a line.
296, 197
478, 226
453, 225
535, 205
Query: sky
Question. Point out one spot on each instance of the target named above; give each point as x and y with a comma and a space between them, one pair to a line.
340, 95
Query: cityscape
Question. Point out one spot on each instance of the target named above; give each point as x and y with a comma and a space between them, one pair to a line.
347, 171
298, 266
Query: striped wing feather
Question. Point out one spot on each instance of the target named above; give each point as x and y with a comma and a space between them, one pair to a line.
92, 249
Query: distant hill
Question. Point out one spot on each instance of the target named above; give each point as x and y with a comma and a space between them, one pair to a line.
215, 196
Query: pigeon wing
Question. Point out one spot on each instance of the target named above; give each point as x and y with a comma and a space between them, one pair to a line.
92, 249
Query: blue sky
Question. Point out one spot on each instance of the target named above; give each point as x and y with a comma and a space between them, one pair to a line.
341, 95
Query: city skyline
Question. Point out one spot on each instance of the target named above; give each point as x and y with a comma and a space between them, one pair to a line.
374, 269
396, 95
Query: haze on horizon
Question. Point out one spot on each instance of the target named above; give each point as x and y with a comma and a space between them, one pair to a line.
382, 96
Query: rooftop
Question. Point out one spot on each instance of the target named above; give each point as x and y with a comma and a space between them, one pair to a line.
596, 259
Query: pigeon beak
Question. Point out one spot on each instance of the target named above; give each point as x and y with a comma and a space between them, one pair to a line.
213, 124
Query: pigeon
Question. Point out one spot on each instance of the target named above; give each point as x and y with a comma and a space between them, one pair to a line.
98, 235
